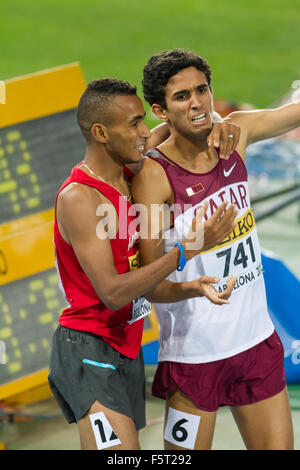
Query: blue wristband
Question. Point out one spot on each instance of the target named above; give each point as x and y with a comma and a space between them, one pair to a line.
182, 261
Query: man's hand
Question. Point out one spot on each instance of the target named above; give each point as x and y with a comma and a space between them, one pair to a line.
206, 235
204, 285
224, 135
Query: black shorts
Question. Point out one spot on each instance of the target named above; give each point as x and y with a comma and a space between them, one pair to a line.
84, 369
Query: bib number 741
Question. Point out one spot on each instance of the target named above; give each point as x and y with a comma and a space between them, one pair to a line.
240, 256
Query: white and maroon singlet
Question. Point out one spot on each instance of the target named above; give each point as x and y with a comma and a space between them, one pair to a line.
122, 328
196, 330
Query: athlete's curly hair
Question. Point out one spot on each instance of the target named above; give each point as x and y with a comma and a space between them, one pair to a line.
95, 103
161, 67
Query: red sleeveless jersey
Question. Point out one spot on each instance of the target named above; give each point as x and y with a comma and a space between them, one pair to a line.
86, 311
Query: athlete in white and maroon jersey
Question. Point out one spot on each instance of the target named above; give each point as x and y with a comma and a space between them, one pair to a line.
195, 330
210, 356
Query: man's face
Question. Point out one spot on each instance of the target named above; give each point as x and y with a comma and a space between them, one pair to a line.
189, 103
128, 133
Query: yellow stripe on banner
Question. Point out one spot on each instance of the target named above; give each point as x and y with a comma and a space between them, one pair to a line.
21, 390
245, 225
26, 246
40, 94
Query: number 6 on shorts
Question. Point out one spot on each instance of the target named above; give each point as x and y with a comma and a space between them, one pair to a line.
182, 428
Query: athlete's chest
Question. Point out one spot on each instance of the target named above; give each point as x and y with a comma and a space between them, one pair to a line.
227, 181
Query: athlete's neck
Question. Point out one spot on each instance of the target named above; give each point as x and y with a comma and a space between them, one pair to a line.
194, 156
102, 164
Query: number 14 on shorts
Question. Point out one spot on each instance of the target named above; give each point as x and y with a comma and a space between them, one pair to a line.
182, 428
103, 432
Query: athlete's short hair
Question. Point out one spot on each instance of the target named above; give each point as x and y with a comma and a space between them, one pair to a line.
161, 67
95, 103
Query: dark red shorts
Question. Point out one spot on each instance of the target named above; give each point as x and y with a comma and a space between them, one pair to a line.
248, 377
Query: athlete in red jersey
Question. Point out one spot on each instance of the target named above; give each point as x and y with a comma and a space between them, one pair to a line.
86, 312
211, 356
96, 366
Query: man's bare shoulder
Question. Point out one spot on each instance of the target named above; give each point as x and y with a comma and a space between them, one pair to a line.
149, 167
151, 180
78, 212
75, 208
80, 194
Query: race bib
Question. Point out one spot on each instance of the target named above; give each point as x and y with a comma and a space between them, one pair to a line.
140, 309
239, 255
134, 261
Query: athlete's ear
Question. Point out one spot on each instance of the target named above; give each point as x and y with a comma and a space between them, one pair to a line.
100, 133
160, 112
